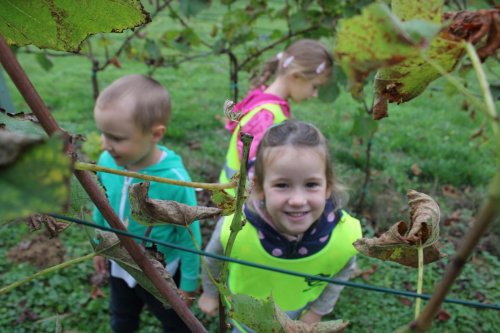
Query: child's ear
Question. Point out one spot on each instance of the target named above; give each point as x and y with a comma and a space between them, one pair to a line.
158, 132
328, 192
257, 189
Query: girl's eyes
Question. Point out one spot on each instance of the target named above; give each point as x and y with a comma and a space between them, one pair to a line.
312, 184
285, 185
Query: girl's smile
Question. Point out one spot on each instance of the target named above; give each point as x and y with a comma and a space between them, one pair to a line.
294, 188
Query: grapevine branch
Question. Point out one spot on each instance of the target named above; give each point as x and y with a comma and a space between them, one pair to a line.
23, 84
208, 186
489, 211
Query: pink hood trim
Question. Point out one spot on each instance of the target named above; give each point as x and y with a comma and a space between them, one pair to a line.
254, 99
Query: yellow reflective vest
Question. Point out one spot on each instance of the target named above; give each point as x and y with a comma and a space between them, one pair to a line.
232, 164
289, 292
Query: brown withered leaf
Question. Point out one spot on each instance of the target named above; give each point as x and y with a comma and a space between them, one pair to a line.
110, 247
153, 212
53, 226
415, 169
400, 242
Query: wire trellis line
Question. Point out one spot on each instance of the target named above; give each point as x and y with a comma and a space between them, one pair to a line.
279, 270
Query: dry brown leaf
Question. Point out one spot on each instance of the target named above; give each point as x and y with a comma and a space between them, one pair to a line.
110, 247
415, 169
400, 242
53, 226
153, 212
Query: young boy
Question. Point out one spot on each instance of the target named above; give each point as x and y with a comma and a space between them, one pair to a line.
132, 114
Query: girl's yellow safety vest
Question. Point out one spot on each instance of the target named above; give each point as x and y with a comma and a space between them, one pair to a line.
289, 292
233, 162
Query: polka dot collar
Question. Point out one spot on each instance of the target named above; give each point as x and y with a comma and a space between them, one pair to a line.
313, 240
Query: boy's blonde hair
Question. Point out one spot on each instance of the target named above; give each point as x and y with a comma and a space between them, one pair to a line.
147, 98
306, 57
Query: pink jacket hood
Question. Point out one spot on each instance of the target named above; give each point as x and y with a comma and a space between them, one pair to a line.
254, 99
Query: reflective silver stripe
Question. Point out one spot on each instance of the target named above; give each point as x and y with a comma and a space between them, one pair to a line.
229, 172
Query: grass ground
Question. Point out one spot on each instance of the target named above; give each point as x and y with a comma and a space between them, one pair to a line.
432, 132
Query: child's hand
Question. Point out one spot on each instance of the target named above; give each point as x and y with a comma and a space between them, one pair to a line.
187, 297
310, 317
100, 265
209, 304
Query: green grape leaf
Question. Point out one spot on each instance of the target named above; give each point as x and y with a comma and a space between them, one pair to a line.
91, 146
107, 244
152, 50
193, 7
364, 126
266, 316
34, 175
408, 79
298, 21
371, 40
65, 24
400, 243
22, 123
153, 212
44, 61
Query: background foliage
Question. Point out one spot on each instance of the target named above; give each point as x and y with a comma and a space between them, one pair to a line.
433, 144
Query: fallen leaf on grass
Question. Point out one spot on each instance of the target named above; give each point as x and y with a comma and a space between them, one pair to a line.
416, 170
400, 242
454, 217
443, 315
96, 293
405, 301
153, 212
450, 191
109, 246
266, 316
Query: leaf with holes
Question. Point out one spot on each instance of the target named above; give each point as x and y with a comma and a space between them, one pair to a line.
224, 201
34, 175
400, 242
153, 212
266, 316
408, 79
24, 123
371, 40
65, 24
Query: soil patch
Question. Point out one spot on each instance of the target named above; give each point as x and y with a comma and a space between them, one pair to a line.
39, 251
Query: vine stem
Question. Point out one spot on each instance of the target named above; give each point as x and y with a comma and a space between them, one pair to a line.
489, 211
236, 225
209, 186
485, 88
49, 270
420, 281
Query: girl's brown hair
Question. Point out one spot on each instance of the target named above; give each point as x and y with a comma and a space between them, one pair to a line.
306, 57
298, 134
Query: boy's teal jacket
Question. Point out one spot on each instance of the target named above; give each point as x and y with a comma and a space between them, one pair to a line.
117, 191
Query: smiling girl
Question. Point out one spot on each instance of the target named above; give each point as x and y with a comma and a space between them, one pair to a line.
294, 222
